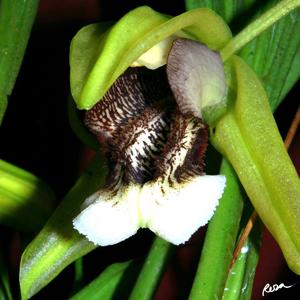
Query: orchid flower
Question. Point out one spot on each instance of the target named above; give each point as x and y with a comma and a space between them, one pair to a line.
155, 140
245, 143
238, 115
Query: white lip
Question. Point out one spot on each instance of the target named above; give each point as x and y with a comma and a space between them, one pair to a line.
178, 212
174, 214
110, 220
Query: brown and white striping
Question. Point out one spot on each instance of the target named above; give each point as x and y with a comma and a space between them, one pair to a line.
149, 126
144, 133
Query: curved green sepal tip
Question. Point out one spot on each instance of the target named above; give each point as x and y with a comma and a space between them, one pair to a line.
99, 55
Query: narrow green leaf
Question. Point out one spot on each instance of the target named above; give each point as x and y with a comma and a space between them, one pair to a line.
235, 277
241, 275
79, 274
5, 291
251, 262
274, 56
109, 284
258, 26
16, 19
3, 105
152, 270
58, 244
26, 201
293, 74
228, 10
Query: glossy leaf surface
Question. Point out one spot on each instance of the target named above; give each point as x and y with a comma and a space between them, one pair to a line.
58, 244
22, 195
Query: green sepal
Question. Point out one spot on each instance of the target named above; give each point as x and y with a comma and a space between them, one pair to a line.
98, 56
247, 135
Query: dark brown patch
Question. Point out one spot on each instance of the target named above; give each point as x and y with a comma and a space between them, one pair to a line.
142, 131
193, 163
131, 93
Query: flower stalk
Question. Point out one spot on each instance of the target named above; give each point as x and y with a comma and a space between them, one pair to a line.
265, 21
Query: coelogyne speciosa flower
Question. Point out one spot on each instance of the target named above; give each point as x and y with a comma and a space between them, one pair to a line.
149, 123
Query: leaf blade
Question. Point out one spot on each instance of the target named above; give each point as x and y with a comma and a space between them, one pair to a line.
16, 20
58, 244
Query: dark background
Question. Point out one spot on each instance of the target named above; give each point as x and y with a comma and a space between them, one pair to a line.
36, 136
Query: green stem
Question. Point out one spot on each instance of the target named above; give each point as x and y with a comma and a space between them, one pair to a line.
78, 274
258, 26
221, 234
110, 283
152, 270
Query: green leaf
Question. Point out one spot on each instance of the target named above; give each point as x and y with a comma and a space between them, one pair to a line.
229, 10
16, 19
110, 283
5, 291
234, 284
274, 56
98, 58
26, 201
78, 274
58, 244
241, 275
251, 261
